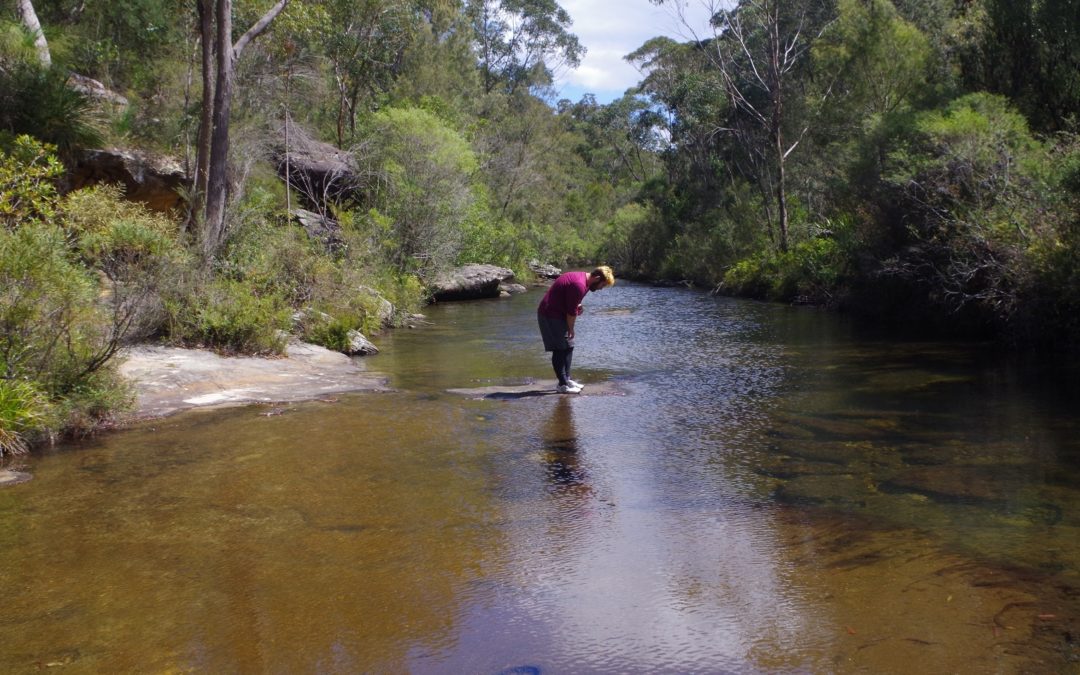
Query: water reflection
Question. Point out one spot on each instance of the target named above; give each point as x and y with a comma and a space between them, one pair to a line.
565, 470
771, 494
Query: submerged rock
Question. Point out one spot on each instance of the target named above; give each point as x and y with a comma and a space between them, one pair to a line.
9, 477
958, 483
836, 489
511, 289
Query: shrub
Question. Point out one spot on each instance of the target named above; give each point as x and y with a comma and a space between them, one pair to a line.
224, 314
810, 272
137, 251
36, 100
48, 316
332, 332
425, 187
969, 183
94, 401
28, 171
24, 410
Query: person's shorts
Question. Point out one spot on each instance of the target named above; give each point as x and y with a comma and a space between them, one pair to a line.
554, 333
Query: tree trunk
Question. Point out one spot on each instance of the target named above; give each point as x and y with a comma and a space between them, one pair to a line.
33, 26
202, 156
217, 167
781, 195
217, 179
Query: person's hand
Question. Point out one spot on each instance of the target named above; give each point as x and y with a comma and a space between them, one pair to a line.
570, 334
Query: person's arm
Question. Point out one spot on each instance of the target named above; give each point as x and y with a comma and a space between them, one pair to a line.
570, 319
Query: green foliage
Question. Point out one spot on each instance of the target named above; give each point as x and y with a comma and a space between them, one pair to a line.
1031, 54
78, 277
810, 272
879, 59
628, 244
972, 162
225, 314
39, 101
24, 411
53, 334
28, 174
118, 42
425, 186
331, 332
94, 401
47, 312
520, 41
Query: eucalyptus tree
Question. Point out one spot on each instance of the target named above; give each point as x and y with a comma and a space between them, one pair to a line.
688, 93
1035, 48
758, 49
880, 59
621, 140
30, 21
219, 56
522, 42
366, 45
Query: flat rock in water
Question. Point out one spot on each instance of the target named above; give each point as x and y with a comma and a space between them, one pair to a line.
169, 379
9, 477
534, 389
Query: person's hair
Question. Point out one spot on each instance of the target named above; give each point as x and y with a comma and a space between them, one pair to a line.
605, 272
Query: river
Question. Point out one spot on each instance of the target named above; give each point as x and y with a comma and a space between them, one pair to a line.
757, 489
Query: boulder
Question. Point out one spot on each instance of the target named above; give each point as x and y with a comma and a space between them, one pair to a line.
360, 345
544, 271
385, 308
321, 228
320, 172
511, 289
95, 90
153, 180
308, 316
470, 282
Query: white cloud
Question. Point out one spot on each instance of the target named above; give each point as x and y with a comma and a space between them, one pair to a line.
611, 29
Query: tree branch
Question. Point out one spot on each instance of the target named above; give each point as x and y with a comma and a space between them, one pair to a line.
260, 26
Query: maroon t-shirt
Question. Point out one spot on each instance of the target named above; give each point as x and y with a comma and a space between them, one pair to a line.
565, 295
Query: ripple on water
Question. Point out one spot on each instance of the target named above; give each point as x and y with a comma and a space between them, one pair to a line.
772, 494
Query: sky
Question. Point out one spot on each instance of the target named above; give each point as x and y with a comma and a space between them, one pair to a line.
611, 29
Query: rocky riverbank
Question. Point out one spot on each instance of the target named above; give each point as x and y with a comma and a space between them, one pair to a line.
168, 379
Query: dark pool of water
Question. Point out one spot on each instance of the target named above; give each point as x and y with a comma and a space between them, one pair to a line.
771, 491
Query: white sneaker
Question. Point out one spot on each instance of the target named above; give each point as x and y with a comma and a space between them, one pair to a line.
573, 383
568, 389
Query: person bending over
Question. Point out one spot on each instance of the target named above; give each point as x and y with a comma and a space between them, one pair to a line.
557, 313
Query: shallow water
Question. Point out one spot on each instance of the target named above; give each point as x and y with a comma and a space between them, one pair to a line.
772, 491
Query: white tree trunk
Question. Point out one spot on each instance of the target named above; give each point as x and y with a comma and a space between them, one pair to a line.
30, 21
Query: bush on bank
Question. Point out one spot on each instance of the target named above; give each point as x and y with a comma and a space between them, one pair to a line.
84, 274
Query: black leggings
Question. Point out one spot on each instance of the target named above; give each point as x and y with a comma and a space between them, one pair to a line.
560, 361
